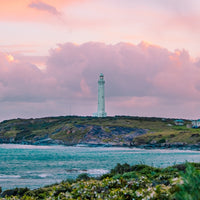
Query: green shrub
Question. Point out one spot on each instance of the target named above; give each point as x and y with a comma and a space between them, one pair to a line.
120, 169
15, 192
83, 176
161, 140
190, 189
130, 175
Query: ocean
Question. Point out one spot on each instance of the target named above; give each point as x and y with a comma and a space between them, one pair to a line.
36, 166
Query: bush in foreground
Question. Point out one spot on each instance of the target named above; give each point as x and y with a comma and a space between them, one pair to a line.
125, 182
190, 189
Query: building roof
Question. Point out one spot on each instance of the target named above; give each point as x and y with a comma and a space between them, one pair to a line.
198, 120
179, 120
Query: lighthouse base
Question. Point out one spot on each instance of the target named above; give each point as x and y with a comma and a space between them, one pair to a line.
100, 114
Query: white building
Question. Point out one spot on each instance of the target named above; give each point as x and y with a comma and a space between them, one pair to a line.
101, 98
196, 123
179, 122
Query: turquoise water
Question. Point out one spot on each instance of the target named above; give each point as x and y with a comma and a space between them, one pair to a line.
36, 166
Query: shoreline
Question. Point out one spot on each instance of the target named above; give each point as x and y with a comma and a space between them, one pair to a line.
161, 146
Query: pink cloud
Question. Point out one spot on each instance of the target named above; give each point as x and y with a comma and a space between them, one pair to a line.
23, 10
141, 79
22, 81
39, 5
138, 72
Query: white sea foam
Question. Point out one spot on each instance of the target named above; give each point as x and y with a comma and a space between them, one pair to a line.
24, 146
20, 146
89, 171
44, 175
4, 176
97, 171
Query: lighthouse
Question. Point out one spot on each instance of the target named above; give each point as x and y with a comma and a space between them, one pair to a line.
101, 97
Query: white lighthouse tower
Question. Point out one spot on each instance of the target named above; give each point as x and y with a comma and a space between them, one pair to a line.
101, 98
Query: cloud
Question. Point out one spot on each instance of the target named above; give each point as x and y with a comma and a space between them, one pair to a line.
22, 81
143, 79
31, 10
143, 73
39, 5
131, 70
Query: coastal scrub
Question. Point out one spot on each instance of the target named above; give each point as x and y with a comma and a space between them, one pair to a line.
124, 182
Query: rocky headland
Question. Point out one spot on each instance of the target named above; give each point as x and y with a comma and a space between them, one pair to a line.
140, 132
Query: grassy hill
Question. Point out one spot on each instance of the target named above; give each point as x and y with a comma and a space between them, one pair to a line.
119, 130
180, 135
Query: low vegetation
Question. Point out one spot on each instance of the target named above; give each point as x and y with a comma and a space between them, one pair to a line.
124, 182
172, 136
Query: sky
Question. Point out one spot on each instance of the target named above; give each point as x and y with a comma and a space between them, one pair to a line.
52, 53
